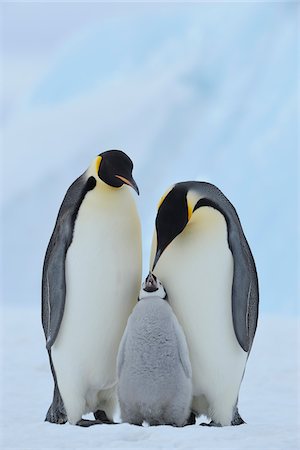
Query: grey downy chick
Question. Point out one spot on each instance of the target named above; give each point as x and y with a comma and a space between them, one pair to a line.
153, 365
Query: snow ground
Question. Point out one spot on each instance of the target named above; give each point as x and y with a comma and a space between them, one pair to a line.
268, 398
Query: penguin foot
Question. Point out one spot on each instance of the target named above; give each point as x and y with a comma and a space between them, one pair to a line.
191, 420
55, 415
88, 423
235, 421
101, 415
210, 424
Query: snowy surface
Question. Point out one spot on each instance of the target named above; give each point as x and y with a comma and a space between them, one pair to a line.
268, 398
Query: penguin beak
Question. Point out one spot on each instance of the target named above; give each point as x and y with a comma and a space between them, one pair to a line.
129, 182
157, 256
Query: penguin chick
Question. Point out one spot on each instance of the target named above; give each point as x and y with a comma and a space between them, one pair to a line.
153, 365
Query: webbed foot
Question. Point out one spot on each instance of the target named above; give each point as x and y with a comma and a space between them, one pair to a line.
210, 424
101, 415
88, 423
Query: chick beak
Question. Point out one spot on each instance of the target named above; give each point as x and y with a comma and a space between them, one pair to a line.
150, 284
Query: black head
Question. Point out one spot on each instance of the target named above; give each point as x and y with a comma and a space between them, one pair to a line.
172, 217
115, 169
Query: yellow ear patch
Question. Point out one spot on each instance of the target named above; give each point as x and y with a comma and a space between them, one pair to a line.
97, 163
190, 208
164, 196
191, 200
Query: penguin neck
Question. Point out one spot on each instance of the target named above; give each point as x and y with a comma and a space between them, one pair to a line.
101, 186
110, 201
109, 190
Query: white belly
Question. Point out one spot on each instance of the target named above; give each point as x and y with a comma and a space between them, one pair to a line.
197, 271
103, 274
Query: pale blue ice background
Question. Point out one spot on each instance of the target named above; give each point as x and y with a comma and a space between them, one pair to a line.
205, 91
202, 91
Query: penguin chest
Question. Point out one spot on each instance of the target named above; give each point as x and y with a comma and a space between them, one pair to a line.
197, 271
102, 281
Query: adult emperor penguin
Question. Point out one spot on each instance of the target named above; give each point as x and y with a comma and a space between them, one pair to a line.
91, 280
154, 369
200, 253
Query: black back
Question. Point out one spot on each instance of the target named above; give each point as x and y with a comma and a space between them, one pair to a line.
53, 280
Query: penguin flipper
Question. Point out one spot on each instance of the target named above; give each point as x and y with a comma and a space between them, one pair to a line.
244, 290
53, 281
236, 419
245, 296
56, 412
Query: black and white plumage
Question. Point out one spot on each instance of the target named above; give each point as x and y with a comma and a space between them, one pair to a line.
154, 369
93, 256
200, 253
